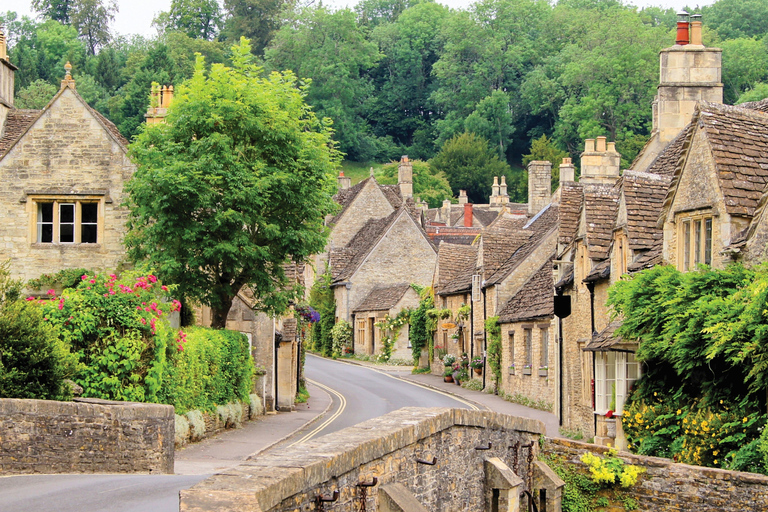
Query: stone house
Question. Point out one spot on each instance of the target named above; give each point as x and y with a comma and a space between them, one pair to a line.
452, 285
52, 216
381, 302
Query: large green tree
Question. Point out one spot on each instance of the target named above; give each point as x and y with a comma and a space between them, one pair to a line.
257, 20
233, 186
196, 18
91, 18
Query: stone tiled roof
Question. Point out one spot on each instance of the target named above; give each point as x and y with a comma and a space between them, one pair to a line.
607, 340
666, 163
455, 263
528, 238
761, 105
647, 259
600, 205
500, 240
644, 195
345, 260
383, 298
453, 238
17, 122
738, 138
347, 196
571, 199
601, 271
566, 280
484, 214
535, 298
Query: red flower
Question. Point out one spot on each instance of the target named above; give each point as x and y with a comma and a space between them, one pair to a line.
609, 414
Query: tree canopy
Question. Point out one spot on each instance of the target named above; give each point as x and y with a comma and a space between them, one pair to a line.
235, 185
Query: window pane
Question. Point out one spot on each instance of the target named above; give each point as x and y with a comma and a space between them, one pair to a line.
544, 347
708, 241
88, 233
66, 233
89, 213
511, 347
698, 226
45, 223
66, 213
45, 212
528, 347
686, 245
45, 233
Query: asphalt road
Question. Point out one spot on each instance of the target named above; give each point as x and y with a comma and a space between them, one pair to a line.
359, 394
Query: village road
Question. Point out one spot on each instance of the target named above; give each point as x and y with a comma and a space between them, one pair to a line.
359, 393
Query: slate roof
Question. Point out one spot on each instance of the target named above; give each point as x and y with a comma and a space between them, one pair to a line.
535, 298
571, 199
644, 195
761, 105
482, 212
666, 162
456, 264
383, 298
499, 240
738, 138
17, 122
452, 238
647, 259
347, 196
529, 237
607, 340
600, 205
601, 271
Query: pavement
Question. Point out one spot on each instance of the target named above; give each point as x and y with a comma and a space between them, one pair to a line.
232, 447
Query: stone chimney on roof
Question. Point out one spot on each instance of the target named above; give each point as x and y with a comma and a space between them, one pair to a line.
445, 212
600, 162
567, 171
539, 185
463, 197
468, 215
160, 100
344, 181
405, 177
689, 73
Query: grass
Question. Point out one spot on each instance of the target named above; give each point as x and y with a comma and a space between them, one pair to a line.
358, 171
576, 435
518, 398
302, 396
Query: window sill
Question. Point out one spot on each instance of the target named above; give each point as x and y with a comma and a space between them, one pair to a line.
527, 371
37, 245
543, 372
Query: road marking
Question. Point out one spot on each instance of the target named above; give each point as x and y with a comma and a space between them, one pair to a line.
331, 419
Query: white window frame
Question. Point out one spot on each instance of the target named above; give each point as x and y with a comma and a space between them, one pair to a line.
622, 364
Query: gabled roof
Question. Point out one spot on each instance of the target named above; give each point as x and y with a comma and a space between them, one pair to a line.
571, 199
761, 105
530, 237
383, 298
644, 195
347, 196
607, 340
601, 271
647, 259
456, 264
738, 138
666, 163
346, 261
535, 298
600, 206
499, 240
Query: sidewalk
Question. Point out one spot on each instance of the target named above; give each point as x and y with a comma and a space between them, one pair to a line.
233, 447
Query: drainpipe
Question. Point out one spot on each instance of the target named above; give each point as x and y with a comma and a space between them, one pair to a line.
562, 308
485, 337
591, 288
274, 375
471, 327
354, 319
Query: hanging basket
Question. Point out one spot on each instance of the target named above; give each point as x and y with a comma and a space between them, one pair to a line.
449, 325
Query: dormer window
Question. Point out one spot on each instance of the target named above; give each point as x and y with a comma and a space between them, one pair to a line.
695, 241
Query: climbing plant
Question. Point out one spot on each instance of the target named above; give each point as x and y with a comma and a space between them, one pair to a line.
322, 300
341, 334
420, 335
493, 329
390, 331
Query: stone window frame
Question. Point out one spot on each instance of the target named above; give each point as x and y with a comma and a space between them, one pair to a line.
695, 236
528, 345
34, 199
544, 344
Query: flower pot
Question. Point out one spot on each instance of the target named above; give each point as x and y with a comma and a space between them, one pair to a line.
526, 371
448, 378
511, 370
610, 425
478, 371
543, 372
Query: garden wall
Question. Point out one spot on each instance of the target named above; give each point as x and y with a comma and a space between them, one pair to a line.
443, 459
194, 426
85, 436
673, 487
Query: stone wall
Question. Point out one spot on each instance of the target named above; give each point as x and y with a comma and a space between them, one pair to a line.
673, 487
450, 477
87, 436
536, 383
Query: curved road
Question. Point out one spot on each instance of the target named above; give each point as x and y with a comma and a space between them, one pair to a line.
359, 393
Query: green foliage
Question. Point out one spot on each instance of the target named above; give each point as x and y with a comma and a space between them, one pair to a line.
420, 333
236, 183
65, 278
492, 120
322, 299
36, 95
390, 332
759, 91
469, 164
430, 186
737, 18
341, 334
256, 20
196, 18
580, 492
493, 330
745, 64
704, 340
34, 361
611, 470
213, 367
544, 149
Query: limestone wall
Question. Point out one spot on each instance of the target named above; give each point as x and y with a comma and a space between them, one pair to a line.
88, 436
386, 448
673, 487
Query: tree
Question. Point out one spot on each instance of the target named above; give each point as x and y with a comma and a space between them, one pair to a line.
757, 93
36, 95
199, 19
428, 185
745, 63
91, 18
257, 20
737, 18
492, 120
470, 164
236, 184
59, 10
544, 149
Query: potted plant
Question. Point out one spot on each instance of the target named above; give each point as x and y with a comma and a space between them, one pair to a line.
543, 370
527, 369
477, 364
512, 369
460, 374
455, 337
448, 374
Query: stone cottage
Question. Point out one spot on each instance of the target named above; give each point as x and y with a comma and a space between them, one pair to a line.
381, 302
63, 169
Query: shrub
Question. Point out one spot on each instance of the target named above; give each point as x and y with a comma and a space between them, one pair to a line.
341, 334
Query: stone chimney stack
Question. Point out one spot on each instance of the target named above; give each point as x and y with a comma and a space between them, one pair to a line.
539, 185
160, 100
445, 212
344, 181
463, 197
468, 215
405, 177
689, 73
600, 162
503, 195
495, 191
567, 171
7, 71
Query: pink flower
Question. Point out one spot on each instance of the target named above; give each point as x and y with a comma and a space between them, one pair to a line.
112, 292
152, 279
84, 277
181, 348
51, 292
144, 321
164, 288
112, 277
61, 304
176, 305
30, 298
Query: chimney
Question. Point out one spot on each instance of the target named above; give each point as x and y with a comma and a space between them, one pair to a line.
689, 73
696, 30
344, 181
600, 163
7, 75
539, 185
445, 212
503, 195
405, 177
683, 27
468, 215
495, 190
567, 171
463, 197
160, 99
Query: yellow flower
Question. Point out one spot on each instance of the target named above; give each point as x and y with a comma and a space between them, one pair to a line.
654, 393
715, 453
679, 412
744, 420
716, 459
721, 401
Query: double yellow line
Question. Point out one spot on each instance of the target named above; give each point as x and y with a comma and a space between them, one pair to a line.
331, 418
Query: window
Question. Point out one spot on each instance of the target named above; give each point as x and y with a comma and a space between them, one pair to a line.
695, 242
616, 372
511, 347
544, 359
67, 221
528, 347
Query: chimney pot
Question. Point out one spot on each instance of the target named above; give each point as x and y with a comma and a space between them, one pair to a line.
589, 146
601, 145
567, 171
468, 213
696, 30
683, 27
611, 147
